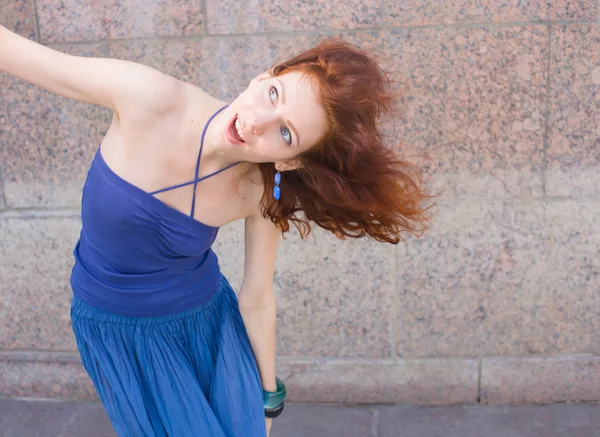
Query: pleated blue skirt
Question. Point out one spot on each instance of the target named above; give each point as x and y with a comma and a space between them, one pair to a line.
188, 374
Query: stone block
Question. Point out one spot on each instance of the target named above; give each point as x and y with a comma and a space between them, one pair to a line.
19, 16
49, 141
35, 264
335, 298
573, 10
580, 420
227, 17
427, 13
573, 152
71, 20
2, 196
91, 419
471, 107
229, 247
421, 382
42, 375
502, 278
231, 69
40, 419
323, 420
540, 380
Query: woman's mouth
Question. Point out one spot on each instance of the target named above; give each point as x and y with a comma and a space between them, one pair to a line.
235, 130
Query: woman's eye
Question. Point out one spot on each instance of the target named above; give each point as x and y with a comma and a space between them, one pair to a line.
273, 94
286, 134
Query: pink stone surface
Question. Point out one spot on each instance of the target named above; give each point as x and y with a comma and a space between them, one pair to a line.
231, 69
420, 382
187, 60
73, 20
35, 263
335, 298
420, 13
473, 104
573, 153
2, 198
507, 114
347, 309
229, 247
502, 278
42, 375
48, 141
19, 16
231, 16
452, 12
540, 380
573, 10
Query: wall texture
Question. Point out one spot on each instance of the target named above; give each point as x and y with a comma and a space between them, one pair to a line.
498, 303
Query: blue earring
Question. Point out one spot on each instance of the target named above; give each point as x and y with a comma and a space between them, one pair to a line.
276, 190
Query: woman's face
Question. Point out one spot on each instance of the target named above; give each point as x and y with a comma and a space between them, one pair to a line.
275, 119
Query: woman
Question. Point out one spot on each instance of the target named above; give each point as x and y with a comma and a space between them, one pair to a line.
169, 347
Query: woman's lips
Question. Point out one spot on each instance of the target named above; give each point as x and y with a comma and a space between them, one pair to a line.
229, 131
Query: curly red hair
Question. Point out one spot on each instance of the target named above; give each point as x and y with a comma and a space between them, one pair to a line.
349, 183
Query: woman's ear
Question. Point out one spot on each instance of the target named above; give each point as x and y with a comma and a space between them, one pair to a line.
290, 164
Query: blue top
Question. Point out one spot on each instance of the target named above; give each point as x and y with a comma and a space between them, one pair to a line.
138, 256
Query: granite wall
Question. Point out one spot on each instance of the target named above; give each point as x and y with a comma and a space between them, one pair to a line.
498, 303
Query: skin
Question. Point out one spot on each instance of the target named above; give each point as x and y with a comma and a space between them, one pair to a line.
153, 143
281, 117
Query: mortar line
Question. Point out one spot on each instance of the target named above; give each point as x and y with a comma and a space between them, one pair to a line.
3, 194
276, 34
205, 13
66, 211
479, 377
39, 213
546, 137
38, 352
374, 421
325, 32
387, 360
67, 423
395, 304
516, 200
8, 353
34, 399
64, 353
483, 24
37, 21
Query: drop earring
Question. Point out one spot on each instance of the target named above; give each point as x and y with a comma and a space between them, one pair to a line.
276, 190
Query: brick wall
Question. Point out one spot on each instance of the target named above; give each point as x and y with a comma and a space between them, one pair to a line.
498, 303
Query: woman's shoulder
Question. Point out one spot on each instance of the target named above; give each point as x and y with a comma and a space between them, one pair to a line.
168, 100
165, 122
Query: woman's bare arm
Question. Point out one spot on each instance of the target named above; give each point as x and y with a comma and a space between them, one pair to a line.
125, 87
257, 298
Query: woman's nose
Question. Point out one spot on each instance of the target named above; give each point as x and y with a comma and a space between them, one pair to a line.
259, 121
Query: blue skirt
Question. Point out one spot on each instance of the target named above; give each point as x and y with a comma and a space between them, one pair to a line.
188, 374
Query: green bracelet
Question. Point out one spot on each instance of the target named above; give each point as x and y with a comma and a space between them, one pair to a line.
273, 399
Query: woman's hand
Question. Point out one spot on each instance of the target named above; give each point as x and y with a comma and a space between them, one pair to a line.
268, 422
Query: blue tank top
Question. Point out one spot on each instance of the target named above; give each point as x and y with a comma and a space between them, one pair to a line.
138, 256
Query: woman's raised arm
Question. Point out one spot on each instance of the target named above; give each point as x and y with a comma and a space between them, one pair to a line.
123, 86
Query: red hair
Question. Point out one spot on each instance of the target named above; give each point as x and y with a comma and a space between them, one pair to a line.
350, 183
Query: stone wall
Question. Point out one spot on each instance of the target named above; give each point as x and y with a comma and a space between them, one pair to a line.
498, 303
